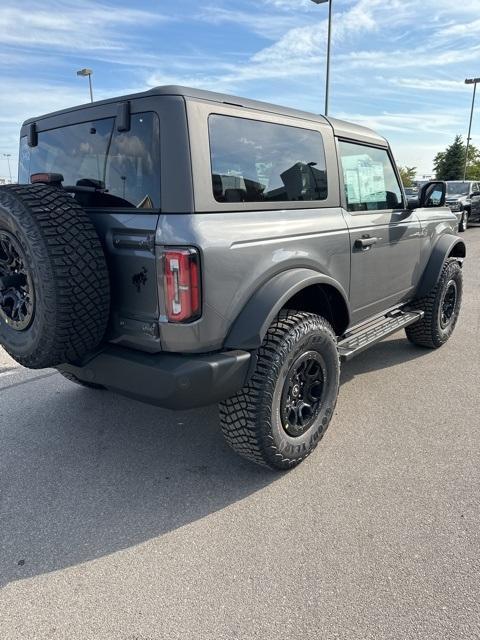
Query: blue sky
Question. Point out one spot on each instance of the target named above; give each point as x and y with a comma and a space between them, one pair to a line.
397, 66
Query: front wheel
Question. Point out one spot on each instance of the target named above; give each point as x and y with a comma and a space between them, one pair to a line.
281, 414
441, 307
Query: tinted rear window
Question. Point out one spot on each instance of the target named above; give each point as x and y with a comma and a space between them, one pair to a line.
125, 164
255, 161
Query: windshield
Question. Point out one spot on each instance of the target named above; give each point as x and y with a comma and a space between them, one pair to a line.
458, 188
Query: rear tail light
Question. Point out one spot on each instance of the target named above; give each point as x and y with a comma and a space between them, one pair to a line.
182, 284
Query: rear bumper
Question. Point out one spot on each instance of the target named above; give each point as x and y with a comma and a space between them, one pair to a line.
167, 380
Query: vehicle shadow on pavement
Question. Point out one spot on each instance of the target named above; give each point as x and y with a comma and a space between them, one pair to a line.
87, 473
383, 355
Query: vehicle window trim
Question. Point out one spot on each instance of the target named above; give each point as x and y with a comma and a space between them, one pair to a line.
198, 112
343, 196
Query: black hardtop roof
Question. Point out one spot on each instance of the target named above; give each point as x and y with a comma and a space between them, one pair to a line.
340, 127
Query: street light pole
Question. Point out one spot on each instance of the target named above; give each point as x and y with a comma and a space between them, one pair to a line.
90, 86
8, 156
329, 42
473, 81
88, 73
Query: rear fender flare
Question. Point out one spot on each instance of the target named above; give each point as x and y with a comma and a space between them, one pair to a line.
249, 329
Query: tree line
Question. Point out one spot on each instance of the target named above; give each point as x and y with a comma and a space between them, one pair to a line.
449, 164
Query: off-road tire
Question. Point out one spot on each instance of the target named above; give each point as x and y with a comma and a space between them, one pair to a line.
251, 420
81, 383
428, 332
69, 272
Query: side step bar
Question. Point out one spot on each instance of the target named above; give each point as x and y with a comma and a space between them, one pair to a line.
375, 331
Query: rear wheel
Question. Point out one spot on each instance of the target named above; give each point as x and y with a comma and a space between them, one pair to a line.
441, 307
279, 417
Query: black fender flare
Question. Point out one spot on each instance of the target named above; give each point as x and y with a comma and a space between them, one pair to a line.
443, 248
249, 328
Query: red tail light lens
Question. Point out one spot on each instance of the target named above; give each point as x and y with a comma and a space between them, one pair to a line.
182, 284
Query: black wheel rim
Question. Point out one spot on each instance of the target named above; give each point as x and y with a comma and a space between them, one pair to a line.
17, 297
449, 304
302, 393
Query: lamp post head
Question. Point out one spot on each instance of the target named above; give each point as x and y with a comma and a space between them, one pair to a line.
84, 72
472, 80
320, 1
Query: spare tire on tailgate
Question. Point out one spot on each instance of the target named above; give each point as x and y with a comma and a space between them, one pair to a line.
54, 285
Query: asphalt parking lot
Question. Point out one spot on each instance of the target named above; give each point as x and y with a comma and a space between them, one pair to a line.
123, 521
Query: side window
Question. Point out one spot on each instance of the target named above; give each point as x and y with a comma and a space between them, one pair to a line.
254, 161
369, 179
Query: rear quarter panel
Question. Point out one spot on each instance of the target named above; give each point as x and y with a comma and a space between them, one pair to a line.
242, 250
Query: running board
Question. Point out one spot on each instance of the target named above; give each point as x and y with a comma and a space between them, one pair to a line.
375, 331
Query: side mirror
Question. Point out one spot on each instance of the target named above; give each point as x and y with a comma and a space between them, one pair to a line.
475, 194
432, 194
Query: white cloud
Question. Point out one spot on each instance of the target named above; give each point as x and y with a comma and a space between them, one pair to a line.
464, 29
438, 122
81, 25
267, 25
421, 57
426, 84
288, 4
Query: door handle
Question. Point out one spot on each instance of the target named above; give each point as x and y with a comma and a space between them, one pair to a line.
365, 243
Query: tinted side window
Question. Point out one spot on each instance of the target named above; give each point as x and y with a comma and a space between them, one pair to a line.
124, 165
369, 179
255, 161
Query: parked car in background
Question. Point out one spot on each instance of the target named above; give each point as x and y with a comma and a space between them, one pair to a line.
463, 198
411, 193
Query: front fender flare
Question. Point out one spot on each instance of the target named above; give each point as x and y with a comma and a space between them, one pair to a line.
443, 248
251, 325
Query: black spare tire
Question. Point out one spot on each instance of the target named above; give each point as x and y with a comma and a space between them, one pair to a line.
54, 285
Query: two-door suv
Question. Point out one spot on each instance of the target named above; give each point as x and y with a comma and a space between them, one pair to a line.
183, 248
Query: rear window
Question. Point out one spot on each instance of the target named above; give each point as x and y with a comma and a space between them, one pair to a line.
255, 161
124, 165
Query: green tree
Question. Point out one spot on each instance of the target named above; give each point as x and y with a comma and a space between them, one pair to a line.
473, 164
407, 174
450, 164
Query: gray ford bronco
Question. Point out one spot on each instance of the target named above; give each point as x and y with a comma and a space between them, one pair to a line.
184, 248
